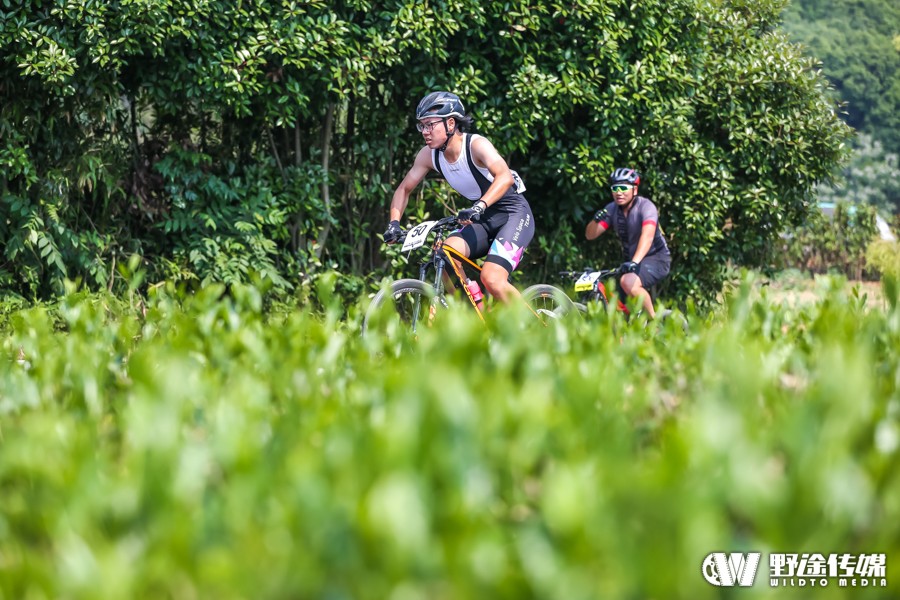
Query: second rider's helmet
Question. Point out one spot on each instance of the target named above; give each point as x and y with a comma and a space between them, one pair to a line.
629, 176
440, 104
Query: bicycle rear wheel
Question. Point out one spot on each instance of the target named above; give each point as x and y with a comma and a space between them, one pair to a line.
406, 303
665, 315
548, 301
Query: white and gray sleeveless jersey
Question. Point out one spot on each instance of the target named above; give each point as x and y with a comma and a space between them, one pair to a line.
470, 180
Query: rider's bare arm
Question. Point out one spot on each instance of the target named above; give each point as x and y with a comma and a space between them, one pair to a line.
413, 178
485, 155
593, 230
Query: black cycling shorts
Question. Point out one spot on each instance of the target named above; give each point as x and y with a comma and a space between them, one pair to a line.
502, 235
652, 270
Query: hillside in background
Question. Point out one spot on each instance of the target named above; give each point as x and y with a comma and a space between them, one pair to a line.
858, 42
859, 45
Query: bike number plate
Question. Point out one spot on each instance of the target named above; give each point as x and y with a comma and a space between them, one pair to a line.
586, 282
416, 236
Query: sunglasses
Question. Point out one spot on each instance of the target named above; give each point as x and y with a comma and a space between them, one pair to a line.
620, 188
426, 127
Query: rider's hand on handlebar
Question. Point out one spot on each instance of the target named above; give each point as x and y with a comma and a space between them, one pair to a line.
471, 215
393, 232
629, 267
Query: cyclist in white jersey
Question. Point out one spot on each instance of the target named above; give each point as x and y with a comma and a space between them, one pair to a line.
499, 224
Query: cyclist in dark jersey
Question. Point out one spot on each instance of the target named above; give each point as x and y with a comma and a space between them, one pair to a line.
499, 224
636, 222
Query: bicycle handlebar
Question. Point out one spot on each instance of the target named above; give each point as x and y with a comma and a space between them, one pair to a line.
604, 273
441, 225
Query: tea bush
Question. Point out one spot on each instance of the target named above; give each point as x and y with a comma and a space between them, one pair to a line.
202, 447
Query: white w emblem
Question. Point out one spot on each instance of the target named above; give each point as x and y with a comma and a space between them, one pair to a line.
727, 569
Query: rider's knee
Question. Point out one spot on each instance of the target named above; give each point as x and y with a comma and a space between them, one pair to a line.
494, 280
630, 285
458, 244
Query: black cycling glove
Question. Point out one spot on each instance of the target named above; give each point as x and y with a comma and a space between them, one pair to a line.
472, 214
629, 267
600, 215
392, 233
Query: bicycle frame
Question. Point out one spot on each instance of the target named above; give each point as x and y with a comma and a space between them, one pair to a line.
440, 256
454, 256
438, 259
589, 282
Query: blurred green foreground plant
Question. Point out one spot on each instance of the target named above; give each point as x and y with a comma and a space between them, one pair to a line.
206, 449
884, 256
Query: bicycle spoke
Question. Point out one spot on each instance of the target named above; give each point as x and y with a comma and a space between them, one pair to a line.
401, 307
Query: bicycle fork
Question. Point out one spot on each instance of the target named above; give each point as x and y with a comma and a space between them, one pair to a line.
438, 290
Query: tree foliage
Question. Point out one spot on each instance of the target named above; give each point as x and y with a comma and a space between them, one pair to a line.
871, 176
857, 41
217, 138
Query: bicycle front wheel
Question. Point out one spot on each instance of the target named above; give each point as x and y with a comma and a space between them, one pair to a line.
406, 304
548, 301
600, 298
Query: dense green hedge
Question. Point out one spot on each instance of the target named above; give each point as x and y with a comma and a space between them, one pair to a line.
216, 138
191, 447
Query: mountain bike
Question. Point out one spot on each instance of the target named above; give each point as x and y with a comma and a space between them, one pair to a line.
590, 286
413, 302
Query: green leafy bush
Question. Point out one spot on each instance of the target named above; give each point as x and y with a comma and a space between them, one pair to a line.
836, 242
884, 257
221, 229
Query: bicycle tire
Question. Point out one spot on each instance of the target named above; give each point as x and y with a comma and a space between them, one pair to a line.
399, 302
599, 298
549, 300
666, 314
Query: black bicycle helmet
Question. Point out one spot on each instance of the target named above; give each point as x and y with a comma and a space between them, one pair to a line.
440, 104
629, 176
